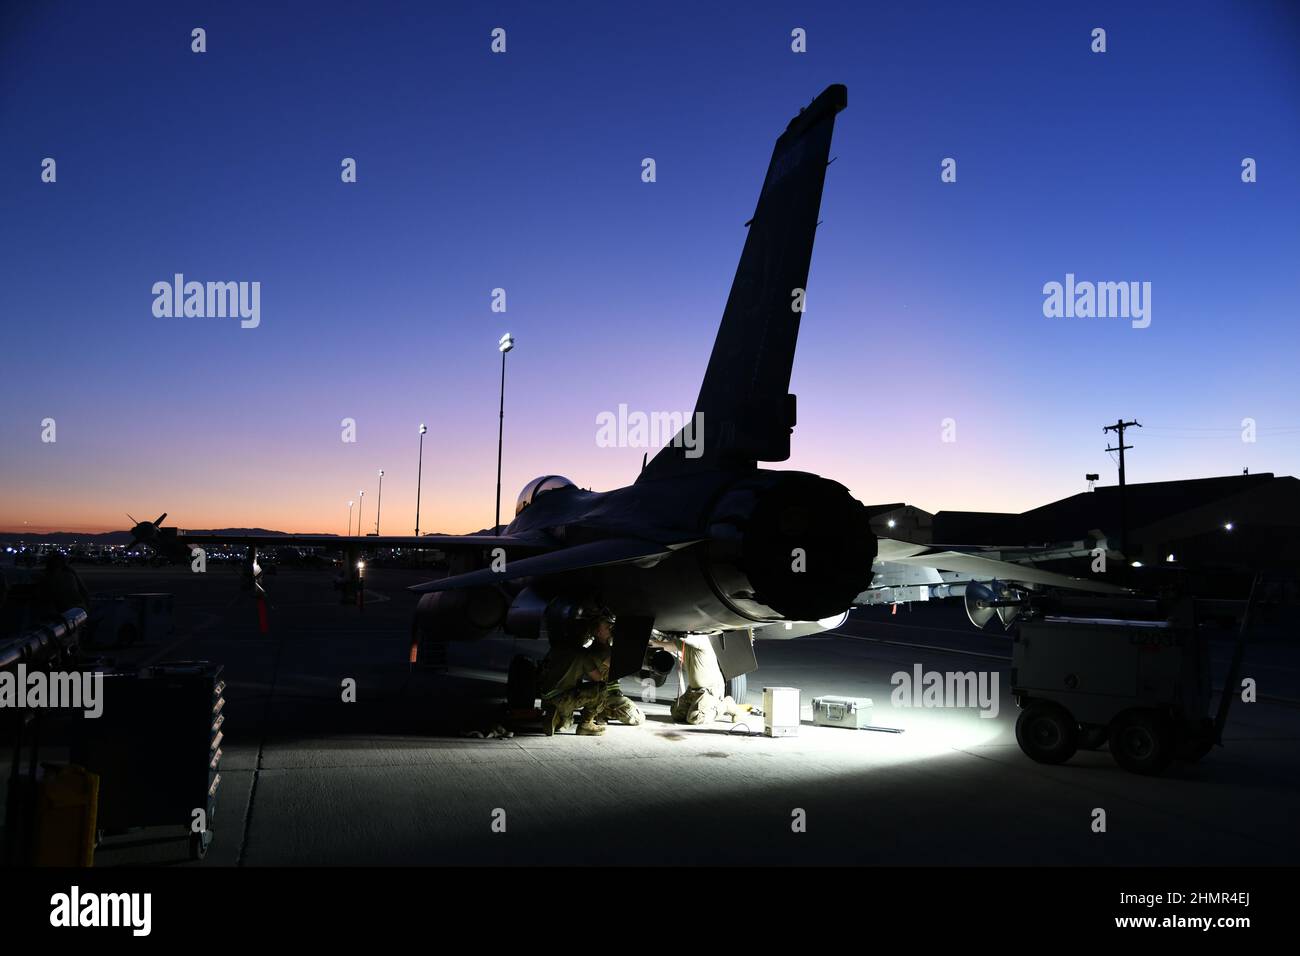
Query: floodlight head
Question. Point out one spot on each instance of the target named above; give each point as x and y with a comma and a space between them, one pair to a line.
423, 428
505, 343
975, 595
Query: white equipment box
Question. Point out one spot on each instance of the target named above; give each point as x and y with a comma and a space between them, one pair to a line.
781, 711
851, 712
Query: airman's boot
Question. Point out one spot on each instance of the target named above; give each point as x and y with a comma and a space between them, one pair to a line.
592, 700
558, 715
588, 727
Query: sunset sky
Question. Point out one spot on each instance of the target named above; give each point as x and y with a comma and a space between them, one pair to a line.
522, 171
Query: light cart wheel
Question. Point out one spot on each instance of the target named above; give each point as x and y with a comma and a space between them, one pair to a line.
1141, 741
199, 843
1047, 733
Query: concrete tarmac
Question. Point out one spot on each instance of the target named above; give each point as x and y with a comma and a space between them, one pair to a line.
392, 779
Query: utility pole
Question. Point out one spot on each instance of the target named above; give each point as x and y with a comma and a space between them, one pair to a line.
1118, 429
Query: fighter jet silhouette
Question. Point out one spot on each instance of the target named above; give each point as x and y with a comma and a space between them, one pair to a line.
704, 542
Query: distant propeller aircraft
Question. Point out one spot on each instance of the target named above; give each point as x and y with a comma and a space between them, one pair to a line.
706, 542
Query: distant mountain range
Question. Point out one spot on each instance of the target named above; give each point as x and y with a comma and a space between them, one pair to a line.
115, 537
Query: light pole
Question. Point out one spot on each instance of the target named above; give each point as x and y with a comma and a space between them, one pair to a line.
504, 345
360, 510
349, 519
379, 505
419, 471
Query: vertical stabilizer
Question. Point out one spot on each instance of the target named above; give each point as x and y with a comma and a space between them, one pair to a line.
745, 412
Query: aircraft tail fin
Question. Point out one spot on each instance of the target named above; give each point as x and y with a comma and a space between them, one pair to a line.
744, 413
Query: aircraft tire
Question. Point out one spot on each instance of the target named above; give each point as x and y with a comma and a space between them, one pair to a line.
738, 688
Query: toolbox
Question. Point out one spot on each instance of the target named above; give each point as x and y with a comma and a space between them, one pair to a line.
851, 712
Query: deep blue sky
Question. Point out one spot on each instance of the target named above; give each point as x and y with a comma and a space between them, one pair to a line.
523, 171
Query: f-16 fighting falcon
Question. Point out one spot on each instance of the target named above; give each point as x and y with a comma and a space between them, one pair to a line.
704, 541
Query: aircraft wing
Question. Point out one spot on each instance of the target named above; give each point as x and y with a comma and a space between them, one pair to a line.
982, 567
595, 554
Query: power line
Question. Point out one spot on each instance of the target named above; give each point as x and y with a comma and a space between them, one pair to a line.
1221, 428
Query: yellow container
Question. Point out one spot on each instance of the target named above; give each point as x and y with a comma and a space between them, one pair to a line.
66, 811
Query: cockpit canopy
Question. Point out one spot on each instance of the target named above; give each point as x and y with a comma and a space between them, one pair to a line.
539, 486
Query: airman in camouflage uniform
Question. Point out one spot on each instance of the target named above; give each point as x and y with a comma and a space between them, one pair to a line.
576, 686
615, 705
703, 698
572, 683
